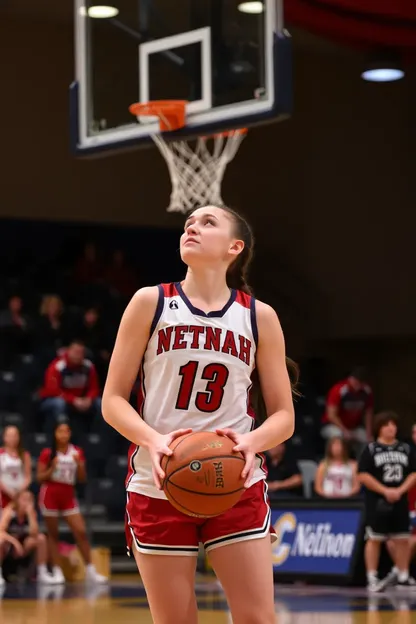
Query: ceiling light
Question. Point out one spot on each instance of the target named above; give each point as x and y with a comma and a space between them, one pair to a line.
382, 74
254, 7
99, 11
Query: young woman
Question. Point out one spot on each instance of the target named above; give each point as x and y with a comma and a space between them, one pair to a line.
387, 469
59, 468
197, 343
336, 476
15, 466
19, 531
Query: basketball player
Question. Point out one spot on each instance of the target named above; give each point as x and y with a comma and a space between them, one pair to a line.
387, 469
15, 466
59, 468
336, 476
211, 321
19, 530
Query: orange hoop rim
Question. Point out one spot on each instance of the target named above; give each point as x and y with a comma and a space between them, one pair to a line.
172, 116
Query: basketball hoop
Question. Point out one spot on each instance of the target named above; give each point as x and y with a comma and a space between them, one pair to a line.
196, 171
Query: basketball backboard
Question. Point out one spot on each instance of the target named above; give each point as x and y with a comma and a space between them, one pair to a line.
233, 67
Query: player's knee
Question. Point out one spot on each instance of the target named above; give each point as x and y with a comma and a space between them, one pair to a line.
41, 539
253, 615
81, 535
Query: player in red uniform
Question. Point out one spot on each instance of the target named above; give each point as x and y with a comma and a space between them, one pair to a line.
15, 466
59, 468
211, 320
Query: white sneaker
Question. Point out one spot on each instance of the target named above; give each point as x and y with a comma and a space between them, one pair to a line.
58, 576
374, 586
2, 581
92, 576
46, 579
389, 580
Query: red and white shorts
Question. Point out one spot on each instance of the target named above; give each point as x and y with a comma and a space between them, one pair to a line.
58, 499
158, 528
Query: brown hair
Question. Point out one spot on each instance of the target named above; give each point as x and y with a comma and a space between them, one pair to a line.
237, 276
382, 419
330, 444
20, 449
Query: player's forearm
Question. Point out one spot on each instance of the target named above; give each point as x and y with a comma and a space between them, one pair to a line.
276, 429
371, 483
408, 484
120, 415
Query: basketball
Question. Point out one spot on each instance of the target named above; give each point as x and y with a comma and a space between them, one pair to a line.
203, 476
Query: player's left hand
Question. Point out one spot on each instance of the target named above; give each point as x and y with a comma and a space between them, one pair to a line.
244, 445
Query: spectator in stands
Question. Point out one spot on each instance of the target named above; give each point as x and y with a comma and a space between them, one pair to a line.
59, 468
349, 410
15, 466
284, 479
120, 277
93, 333
71, 391
50, 330
88, 269
336, 476
15, 332
20, 536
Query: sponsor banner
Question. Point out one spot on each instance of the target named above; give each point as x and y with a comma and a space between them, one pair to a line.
315, 541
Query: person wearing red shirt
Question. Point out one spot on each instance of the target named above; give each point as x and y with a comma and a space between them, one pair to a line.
59, 467
71, 391
349, 406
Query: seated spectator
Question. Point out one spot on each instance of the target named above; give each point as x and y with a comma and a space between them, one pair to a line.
284, 479
15, 332
120, 277
336, 476
349, 410
50, 332
92, 332
20, 536
71, 391
15, 466
88, 268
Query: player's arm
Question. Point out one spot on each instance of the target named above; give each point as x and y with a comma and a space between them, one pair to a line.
81, 467
5, 519
319, 479
27, 469
131, 342
365, 467
33, 522
274, 382
356, 485
45, 467
410, 480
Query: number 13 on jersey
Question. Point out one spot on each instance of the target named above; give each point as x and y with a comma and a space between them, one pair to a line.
216, 376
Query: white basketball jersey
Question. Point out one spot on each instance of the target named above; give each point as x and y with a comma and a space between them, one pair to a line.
196, 373
338, 480
11, 471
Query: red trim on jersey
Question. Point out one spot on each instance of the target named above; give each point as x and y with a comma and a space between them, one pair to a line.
170, 290
243, 299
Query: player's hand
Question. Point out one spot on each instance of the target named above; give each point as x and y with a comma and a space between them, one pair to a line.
392, 495
242, 444
160, 447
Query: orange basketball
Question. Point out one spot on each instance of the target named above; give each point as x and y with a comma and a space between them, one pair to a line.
203, 476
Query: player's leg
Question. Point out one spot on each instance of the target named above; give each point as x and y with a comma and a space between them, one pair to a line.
245, 571
165, 546
39, 544
238, 544
52, 530
169, 580
77, 525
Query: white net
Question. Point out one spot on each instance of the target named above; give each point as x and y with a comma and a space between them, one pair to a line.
197, 168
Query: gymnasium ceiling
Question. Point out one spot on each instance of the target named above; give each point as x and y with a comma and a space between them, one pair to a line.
322, 24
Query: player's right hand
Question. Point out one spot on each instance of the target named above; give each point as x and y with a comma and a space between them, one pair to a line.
160, 447
392, 495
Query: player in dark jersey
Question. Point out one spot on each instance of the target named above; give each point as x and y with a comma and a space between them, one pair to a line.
387, 469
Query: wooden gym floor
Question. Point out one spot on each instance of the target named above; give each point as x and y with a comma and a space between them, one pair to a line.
124, 601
